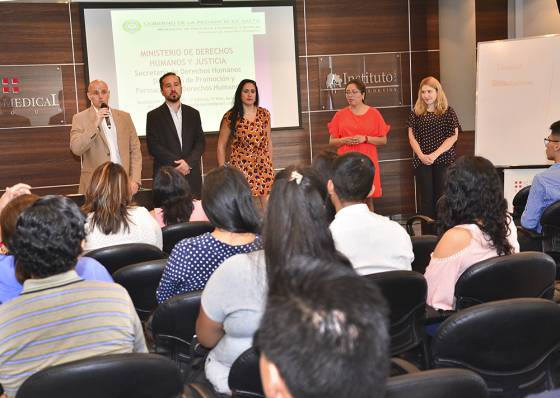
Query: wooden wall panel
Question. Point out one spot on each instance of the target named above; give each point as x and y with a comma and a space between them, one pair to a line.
397, 182
423, 64
491, 20
465, 143
35, 33
424, 24
345, 27
77, 33
45, 154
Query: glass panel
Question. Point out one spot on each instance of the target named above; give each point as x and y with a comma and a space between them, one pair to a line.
31, 96
381, 73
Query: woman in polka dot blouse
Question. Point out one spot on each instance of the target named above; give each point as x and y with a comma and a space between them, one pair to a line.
227, 201
433, 129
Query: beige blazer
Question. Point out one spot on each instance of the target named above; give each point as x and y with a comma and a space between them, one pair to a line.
90, 143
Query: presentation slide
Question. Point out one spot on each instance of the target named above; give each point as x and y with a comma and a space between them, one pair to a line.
211, 49
518, 98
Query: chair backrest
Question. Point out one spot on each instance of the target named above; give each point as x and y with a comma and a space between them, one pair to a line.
519, 201
510, 343
118, 256
438, 383
77, 198
173, 325
550, 221
428, 225
526, 274
108, 376
405, 292
144, 198
172, 234
244, 378
141, 281
422, 246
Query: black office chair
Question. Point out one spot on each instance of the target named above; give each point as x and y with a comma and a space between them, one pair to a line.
144, 198
108, 376
244, 378
438, 383
422, 247
427, 224
550, 221
172, 234
118, 256
77, 198
405, 293
141, 281
519, 201
173, 325
512, 344
527, 274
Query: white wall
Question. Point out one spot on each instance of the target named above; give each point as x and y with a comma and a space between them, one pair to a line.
457, 49
533, 18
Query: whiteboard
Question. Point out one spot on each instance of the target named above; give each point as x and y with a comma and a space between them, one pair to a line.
517, 99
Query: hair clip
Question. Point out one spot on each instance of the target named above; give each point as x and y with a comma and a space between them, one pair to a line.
297, 177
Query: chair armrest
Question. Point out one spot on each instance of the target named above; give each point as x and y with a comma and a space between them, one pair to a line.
400, 366
418, 217
434, 315
197, 350
198, 390
529, 233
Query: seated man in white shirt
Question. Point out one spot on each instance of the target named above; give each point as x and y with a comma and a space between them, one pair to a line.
372, 243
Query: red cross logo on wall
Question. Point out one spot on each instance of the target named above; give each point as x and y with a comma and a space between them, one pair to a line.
518, 184
10, 85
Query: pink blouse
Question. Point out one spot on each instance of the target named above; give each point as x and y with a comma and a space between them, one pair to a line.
197, 214
442, 273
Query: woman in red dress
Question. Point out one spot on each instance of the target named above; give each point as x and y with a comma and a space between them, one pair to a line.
360, 128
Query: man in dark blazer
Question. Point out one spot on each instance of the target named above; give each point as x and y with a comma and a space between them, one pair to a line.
174, 134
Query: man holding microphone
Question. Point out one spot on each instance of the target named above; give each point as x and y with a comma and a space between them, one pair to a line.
100, 134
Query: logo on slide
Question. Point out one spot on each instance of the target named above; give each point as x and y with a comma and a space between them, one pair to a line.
132, 25
10, 85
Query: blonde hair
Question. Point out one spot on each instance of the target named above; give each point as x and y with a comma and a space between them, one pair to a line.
440, 105
108, 197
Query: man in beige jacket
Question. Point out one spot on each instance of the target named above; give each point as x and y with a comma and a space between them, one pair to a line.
100, 134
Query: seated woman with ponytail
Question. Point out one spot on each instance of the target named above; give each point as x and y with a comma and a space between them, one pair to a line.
233, 300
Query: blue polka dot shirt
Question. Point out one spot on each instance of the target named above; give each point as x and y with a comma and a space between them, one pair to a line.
192, 262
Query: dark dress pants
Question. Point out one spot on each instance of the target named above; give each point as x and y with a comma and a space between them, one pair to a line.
429, 187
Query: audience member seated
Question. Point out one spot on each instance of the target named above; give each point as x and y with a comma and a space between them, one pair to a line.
233, 300
475, 223
112, 219
323, 166
7, 196
12, 275
545, 188
59, 317
327, 337
371, 242
226, 197
173, 199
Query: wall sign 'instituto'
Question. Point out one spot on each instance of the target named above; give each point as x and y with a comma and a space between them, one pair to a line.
381, 74
31, 96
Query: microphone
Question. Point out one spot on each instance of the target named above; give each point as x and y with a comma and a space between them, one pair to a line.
107, 119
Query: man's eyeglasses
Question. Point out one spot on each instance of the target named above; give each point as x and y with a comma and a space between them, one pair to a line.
547, 140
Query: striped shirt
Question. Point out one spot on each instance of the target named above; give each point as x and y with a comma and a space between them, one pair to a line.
63, 318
